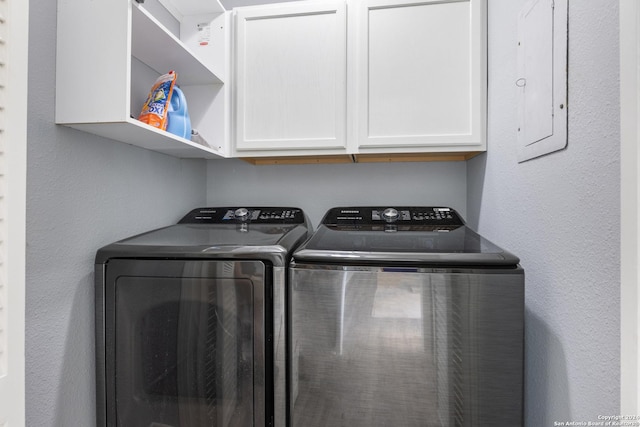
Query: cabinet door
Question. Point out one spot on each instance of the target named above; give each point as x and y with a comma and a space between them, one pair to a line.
422, 75
290, 78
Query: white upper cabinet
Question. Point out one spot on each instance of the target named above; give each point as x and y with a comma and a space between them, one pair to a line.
348, 80
290, 79
421, 75
396, 76
109, 54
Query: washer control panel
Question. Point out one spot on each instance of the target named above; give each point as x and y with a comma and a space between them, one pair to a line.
258, 215
429, 216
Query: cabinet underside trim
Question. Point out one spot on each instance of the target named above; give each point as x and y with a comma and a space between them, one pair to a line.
364, 158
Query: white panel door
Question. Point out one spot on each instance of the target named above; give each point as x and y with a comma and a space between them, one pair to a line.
13, 144
291, 77
542, 78
422, 73
535, 65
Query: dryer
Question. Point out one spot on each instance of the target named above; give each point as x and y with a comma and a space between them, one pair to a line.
190, 326
404, 316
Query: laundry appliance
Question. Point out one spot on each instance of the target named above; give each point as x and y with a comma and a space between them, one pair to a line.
404, 316
190, 320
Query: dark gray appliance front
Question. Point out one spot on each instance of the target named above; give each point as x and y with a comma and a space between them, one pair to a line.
407, 320
190, 326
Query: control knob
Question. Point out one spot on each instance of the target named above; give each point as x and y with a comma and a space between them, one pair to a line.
242, 214
390, 215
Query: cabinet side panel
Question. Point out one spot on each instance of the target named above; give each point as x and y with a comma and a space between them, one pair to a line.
204, 102
206, 36
92, 46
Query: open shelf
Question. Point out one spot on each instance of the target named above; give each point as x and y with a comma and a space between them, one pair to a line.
155, 46
192, 7
122, 68
140, 134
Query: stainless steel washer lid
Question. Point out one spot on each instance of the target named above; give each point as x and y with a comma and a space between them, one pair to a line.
400, 235
265, 233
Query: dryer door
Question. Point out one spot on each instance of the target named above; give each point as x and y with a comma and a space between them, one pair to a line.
185, 343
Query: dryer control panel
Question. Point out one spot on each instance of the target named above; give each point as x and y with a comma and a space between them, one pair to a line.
259, 215
416, 215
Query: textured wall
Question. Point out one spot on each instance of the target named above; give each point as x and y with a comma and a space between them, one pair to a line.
559, 213
317, 188
83, 192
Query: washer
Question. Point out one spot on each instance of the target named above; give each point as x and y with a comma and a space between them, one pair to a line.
404, 316
190, 320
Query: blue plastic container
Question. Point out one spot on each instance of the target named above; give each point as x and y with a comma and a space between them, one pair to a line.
178, 121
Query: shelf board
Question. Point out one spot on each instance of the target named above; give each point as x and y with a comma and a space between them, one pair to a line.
142, 135
193, 7
155, 46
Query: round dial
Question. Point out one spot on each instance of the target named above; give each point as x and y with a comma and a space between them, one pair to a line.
390, 215
242, 214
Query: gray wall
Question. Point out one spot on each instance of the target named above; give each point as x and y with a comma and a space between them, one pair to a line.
559, 213
316, 188
83, 192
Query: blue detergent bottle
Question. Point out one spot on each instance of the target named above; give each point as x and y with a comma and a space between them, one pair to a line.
178, 121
